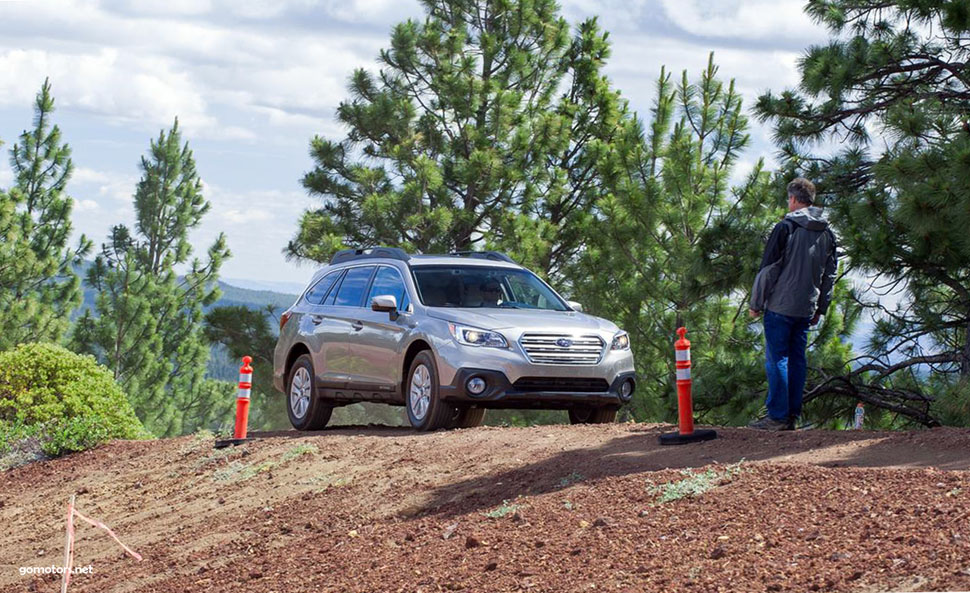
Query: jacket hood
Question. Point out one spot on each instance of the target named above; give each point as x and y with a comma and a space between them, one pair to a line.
811, 218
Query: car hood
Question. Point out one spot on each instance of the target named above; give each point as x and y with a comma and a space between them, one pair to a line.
524, 319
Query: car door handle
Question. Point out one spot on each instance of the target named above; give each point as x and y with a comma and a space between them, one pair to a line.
357, 325
316, 319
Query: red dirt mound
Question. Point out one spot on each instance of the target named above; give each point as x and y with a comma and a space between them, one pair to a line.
554, 508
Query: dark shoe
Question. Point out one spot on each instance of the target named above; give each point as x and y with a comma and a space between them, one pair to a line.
791, 425
769, 423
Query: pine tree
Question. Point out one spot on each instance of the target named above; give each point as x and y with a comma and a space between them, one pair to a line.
40, 288
149, 324
897, 70
677, 244
482, 130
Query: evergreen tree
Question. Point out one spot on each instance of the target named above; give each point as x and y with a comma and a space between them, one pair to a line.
149, 324
677, 245
897, 70
482, 130
39, 288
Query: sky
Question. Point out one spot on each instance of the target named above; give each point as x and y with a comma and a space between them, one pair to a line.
251, 83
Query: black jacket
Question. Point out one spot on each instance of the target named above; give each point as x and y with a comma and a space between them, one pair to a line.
798, 269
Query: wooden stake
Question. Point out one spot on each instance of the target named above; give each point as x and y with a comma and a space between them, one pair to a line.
65, 578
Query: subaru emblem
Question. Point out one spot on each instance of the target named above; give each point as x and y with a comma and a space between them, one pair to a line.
564, 342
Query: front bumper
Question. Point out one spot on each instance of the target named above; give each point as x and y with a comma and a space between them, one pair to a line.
546, 393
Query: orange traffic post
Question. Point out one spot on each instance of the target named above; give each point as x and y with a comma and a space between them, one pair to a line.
685, 406
242, 405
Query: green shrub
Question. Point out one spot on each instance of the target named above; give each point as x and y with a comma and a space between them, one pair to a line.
66, 400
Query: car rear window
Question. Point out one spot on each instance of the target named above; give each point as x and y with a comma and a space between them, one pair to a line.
321, 289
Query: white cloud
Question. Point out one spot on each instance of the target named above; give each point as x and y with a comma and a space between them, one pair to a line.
117, 86
85, 205
747, 19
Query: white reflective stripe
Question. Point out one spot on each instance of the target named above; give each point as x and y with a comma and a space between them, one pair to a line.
245, 377
683, 374
243, 393
683, 355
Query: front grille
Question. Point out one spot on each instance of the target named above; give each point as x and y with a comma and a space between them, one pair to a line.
549, 348
565, 384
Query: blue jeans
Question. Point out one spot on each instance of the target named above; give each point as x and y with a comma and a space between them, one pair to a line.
785, 341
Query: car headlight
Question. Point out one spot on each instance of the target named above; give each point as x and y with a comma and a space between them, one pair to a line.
621, 341
472, 336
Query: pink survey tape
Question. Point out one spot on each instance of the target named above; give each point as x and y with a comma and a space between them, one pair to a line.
73, 512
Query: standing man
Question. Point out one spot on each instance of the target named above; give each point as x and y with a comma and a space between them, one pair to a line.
793, 289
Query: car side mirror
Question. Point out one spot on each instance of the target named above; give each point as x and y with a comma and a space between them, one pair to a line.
386, 303
575, 306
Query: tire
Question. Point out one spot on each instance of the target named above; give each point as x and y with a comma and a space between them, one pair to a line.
591, 415
467, 418
304, 407
423, 403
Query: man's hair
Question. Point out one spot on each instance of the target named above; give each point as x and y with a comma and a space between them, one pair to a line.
802, 190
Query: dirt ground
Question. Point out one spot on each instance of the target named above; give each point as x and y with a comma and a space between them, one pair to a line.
552, 508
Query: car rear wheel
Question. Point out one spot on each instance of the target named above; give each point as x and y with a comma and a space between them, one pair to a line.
424, 407
592, 415
305, 409
468, 418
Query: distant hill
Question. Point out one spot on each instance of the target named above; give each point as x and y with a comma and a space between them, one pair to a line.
231, 295
254, 299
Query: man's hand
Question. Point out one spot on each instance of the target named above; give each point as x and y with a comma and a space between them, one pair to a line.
815, 319
754, 314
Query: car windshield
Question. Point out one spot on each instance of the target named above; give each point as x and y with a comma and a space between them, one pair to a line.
480, 286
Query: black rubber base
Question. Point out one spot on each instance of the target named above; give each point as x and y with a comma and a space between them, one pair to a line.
230, 443
675, 438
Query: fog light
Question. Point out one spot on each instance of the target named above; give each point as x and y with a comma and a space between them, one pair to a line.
475, 385
626, 389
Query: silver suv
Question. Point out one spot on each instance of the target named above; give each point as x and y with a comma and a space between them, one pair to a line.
446, 336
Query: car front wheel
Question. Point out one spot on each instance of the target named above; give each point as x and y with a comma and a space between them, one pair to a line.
425, 409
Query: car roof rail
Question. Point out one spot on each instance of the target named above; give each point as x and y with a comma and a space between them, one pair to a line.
369, 252
492, 255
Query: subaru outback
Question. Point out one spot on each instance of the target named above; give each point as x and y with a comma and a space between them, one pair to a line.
447, 337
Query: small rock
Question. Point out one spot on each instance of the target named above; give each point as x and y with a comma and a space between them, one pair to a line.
449, 531
472, 542
254, 574
644, 513
584, 524
82, 490
40, 552
856, 575
601, 522
517, 517
308, 526
409, 538
722, 538
221, 500
540, 544
575, 552
491, 566
718, 552
352, 533
285, 530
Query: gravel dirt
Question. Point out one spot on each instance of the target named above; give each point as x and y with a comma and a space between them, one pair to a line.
551, 508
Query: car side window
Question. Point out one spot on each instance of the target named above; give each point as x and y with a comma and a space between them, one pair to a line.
320, 290
353, 287
389, 282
